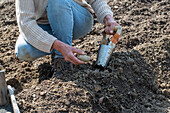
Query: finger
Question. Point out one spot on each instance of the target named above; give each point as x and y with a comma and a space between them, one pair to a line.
70, 60
107, 30
75, 60
116, 24
111, 28
78, 51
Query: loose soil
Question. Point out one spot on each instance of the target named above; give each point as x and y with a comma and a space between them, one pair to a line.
136, 80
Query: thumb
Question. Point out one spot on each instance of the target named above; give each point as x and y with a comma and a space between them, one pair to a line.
78, 51
111, 28
107, 30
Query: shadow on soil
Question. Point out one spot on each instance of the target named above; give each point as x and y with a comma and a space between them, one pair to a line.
126, 85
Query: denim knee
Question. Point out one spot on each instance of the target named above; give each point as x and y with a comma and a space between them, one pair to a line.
23, 52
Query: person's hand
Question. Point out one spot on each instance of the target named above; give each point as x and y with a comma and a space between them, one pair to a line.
110, 23
68, 52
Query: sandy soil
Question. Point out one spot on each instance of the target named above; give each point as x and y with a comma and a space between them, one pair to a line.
137, 79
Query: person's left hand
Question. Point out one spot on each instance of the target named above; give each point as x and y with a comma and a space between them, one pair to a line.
110, 23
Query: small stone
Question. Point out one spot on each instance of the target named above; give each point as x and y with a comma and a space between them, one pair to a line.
106, 71
166, 92
134, 66
153, 101
137, 70
130, 61
111, 96
94, 82
158, 91
43, 93
101, 100
123, 78
144, 101
97, 88
120, 70
113, 89
163, 85
116, 7
148, 109
131, 81
34, 96
153, 96
159, 104
96, 71
67, 102
115, 76
119, 60
132, 94
37, 88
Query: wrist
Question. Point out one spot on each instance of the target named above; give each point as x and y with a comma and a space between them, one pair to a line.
57, 45
106, 18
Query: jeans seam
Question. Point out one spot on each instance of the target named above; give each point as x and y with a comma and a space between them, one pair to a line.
89, 14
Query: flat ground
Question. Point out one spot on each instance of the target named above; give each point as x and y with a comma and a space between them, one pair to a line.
136, 80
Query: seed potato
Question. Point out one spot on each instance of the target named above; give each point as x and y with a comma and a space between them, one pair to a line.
84, 58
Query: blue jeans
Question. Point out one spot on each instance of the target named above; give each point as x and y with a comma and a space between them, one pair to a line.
68, 21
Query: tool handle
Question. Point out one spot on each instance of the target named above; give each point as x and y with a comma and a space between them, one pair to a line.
13, 100
116, 36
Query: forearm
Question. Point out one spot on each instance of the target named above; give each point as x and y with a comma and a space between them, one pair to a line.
101, 9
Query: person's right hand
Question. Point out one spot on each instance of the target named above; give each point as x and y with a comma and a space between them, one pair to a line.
68, 52
110, 23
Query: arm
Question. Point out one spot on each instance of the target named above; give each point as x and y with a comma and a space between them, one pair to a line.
101, 9
104, 14
39, 38
28, 27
